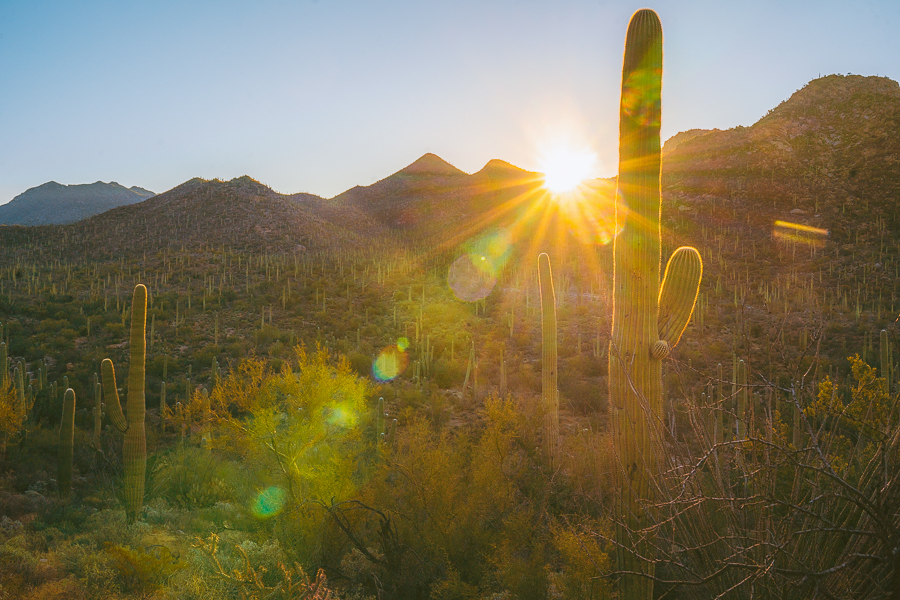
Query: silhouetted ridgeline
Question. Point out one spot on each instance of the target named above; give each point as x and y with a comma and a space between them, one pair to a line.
56, 204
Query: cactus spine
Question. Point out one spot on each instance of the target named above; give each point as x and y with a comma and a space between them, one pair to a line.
647, 321
549, 392
66, 442
134, 448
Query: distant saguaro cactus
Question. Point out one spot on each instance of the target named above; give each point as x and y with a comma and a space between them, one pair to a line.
647, 321
20, 388
97, 412
66, 443
549, 373
134, 449
4, 365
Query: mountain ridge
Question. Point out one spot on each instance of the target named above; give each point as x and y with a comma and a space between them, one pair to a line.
53, 203
827, 150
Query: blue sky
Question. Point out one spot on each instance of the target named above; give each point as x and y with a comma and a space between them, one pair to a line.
319, 96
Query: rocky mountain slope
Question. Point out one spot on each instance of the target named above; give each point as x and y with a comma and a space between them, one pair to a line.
832, 149
241, 213
55, 204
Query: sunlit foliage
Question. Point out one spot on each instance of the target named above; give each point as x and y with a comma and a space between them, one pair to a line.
12, 414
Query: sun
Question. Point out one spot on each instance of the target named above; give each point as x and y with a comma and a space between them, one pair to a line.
565, 167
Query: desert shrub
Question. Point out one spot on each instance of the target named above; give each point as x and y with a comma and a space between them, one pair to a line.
451, 587
585, 559
299, 434
92, 568
19, 569
361, 364
12, 415
255, 581
519, 557
192, 478
448, 375
142, 571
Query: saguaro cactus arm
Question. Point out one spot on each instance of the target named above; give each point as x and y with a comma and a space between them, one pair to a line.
678, 293
111, 395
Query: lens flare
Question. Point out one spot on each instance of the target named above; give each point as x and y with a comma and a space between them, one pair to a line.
471, 277
799, 233
269, 502
391, 361
800, 227
641, 96
339, 416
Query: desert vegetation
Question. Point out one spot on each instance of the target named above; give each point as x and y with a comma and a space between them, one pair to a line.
365, 416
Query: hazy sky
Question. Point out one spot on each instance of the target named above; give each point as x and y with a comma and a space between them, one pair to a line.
319, 96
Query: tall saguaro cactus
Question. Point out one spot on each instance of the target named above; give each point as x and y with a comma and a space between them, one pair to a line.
134, 448
66, 443
549, 363
647, 321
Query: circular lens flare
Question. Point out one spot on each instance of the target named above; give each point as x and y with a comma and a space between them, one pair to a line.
391, 361
471, 277
269, 502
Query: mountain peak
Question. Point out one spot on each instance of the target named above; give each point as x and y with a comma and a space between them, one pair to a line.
430, 164
837, 91
495, 166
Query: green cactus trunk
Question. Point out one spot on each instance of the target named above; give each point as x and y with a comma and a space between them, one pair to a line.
647, 322
134, 447
66, 443
550, 394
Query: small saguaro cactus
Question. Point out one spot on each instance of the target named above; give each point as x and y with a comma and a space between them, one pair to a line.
549, 391
886, 361
648, 319
379, 422
206, 430
162, 407
20, 388
742, 401
4, 365
66, 442
134, 448
97, 413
